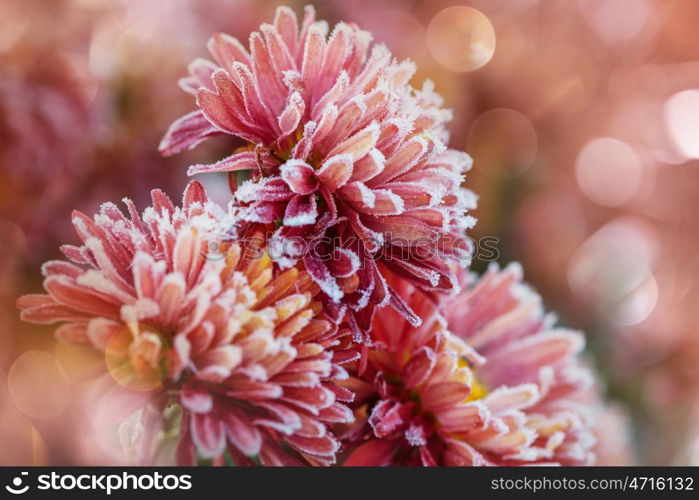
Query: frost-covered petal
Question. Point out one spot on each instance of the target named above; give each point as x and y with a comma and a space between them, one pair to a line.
299, 176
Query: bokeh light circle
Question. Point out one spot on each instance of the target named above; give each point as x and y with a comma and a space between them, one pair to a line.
608, 171
461, 38
503, 143
37, 386
613, 264
682, 122
639, 304
617, 21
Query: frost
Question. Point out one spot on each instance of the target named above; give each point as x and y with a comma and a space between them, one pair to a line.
246, 191
331, 288
368, 196
415, 436
354, 259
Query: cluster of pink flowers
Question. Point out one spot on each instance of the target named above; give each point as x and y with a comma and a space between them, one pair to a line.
325, 316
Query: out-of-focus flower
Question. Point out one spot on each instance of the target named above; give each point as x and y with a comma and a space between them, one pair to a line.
235, 342
45, 120
489, 383
41, 132
347, 158
46, 92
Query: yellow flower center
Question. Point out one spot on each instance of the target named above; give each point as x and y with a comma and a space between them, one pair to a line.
478, 390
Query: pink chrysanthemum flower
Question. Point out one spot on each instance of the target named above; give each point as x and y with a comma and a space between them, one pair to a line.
229, 337
347, 158
489, 383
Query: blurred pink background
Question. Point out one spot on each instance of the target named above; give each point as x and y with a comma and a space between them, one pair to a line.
582, 117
